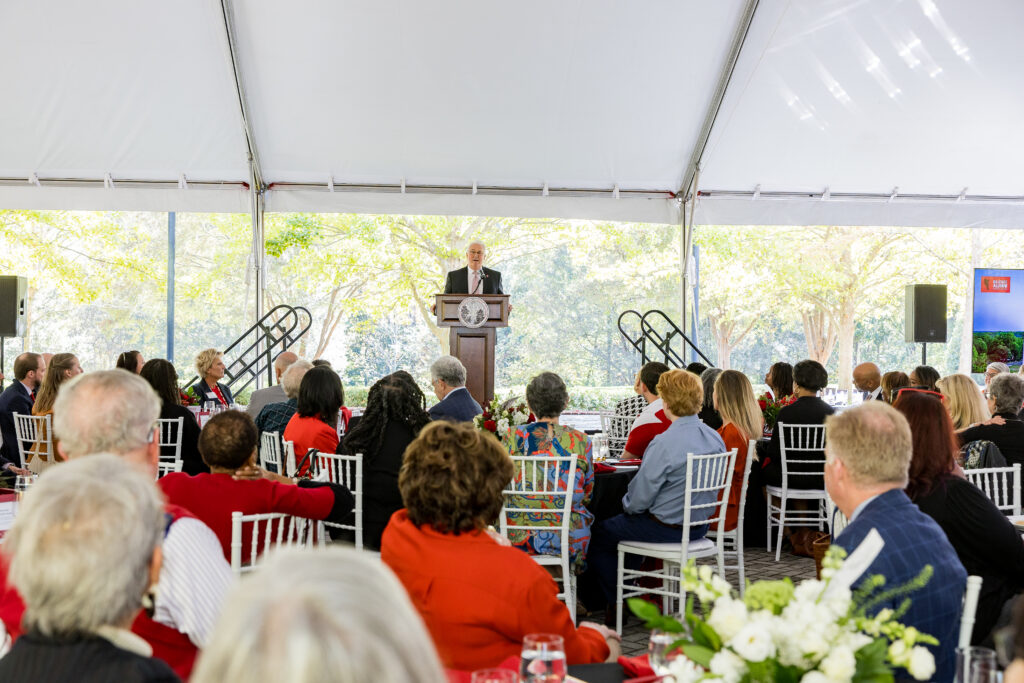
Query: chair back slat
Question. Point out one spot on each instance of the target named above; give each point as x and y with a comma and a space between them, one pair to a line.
266, 532
801, 441
1000, 484
537, 489
270, 452
34, 434
346, 470
169, 438
707, 476
288, 454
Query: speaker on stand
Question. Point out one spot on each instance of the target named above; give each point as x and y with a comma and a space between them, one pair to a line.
926, 316
13, 307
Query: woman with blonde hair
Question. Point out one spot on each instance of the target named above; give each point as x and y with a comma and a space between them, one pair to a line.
62, 367
964, 401
741, 421
211, 369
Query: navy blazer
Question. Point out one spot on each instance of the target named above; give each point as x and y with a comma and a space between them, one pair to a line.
457, 282
458, 406
913, 540
203, 389
14, 399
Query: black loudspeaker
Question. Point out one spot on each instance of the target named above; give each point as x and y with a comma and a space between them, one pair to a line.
926, 313
13, 304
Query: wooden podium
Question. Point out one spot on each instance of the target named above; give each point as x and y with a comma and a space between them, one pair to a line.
474, 346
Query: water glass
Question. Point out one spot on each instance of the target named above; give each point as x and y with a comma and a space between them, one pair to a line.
542, 659
975, 665
660, 652
495, 676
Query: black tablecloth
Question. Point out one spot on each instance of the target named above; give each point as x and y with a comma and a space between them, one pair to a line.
598, 673
609, 487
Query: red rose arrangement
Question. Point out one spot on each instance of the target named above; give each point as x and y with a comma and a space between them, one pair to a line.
770, 408
499, 417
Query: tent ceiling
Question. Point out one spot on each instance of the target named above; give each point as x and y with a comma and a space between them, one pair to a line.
586, 98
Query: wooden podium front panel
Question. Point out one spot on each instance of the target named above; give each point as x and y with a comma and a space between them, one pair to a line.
475, 348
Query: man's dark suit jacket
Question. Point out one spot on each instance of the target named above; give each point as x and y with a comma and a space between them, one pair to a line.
913, 540
457, 406
457, 282
14, 399
808, 410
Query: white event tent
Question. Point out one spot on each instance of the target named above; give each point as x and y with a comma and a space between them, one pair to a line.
855, 112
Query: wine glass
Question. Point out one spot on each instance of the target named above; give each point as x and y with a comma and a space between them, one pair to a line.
542, 659
495, 676
660, 652
975, 665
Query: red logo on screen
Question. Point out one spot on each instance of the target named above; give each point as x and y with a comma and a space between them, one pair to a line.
995, 285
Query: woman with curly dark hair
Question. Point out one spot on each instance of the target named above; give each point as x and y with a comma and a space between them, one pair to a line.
395, 414
986, 542
162, 376
477, 596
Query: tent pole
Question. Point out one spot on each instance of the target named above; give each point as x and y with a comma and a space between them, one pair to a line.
170, 285
697, 156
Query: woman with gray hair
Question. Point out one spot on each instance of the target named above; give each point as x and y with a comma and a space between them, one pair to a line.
547, 397
1005, 396
344, 619
84, 555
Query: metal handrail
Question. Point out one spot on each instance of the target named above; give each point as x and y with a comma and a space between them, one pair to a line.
270, 336
662, 343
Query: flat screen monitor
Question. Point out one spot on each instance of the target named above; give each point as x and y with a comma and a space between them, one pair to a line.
998, 323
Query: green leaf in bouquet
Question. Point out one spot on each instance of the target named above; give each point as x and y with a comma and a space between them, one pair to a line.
698, 654
872, 664
703, 634
652, 616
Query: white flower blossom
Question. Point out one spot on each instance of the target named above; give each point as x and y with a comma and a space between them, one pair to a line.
814, 677
922, 664
727, 617
682, 670
899, 653
753, 643
503, 426
727, 665
839, 665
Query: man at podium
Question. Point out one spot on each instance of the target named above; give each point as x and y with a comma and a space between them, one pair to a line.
474, 278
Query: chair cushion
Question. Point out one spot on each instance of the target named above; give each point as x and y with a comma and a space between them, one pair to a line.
799, 494
701, 545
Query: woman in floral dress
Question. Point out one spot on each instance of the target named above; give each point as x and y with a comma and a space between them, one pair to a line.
547, 397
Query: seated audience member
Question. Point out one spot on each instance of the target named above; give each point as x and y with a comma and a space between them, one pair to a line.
868, 453
651, 421
320, 413
211, 369
993, 369
631, 406
114, 412
742, 420
779, 379
228, 444
964, 401
274, 417
274, 394
394, 417
1005, 394
18, 397
343, 618
696, 368
448, 379
63, 366
78, 613
868, 379
891, 383
708, 413
322, 363
547, 397
924, 377
162, 376
986, 542
653, 504
132, 361
809, 377
478, 596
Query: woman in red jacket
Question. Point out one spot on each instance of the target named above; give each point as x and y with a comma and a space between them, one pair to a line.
741, 421
477, 595
320, 407
228, 445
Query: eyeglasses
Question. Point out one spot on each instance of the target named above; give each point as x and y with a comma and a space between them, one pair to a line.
940, 396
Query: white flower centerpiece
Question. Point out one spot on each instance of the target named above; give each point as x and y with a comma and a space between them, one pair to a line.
815, 632
501, 416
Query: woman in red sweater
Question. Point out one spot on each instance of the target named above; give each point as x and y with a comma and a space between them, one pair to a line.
741, 421
320, 406
228, 444
477, 595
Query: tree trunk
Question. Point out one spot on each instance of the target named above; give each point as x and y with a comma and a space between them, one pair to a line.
847, 329
820, 334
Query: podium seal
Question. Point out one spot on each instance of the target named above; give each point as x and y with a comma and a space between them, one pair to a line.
473, 312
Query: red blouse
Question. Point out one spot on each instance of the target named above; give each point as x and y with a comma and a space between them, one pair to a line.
733, 439
310, 432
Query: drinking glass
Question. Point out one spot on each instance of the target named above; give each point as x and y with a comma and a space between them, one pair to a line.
659, 650
23, 483
975, 665
543, 659
495, 676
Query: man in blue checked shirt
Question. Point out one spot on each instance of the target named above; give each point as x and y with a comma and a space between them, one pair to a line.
653, 504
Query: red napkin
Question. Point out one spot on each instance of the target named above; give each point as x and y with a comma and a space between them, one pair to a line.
636, 667
512, 663
634, 461
601, 467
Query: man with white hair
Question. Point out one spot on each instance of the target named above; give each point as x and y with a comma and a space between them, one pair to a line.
274, 417
474, 278
867, 460
116, 412
274, 394
448, 379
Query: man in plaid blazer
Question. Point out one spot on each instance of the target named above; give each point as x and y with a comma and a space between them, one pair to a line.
867, 456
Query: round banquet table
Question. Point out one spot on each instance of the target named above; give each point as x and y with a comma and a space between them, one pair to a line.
609, 487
